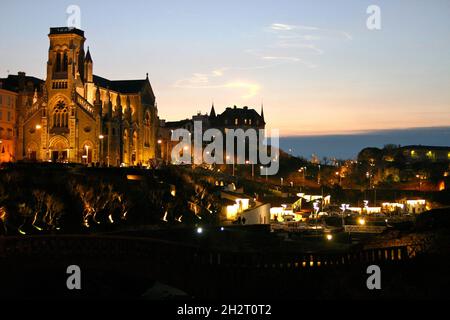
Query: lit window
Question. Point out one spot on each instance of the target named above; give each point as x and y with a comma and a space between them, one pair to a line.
236, 121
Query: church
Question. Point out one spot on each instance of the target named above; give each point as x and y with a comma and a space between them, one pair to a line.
76, 116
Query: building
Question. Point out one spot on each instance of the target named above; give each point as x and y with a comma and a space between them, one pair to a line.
76, 116
8, 101
231, 119
419, 153
237, 118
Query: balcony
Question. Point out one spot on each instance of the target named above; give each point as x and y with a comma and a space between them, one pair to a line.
59, 84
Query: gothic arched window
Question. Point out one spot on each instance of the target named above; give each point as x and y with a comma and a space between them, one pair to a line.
64, 62
58, 62
60, 115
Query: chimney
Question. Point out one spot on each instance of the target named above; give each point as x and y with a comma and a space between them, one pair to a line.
21, 76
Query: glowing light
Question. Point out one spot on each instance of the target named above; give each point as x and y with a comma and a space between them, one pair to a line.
199, 230
361, 221
38, 126
232, 211
329, 237
134, 177
110, 218
101, 137
222, 228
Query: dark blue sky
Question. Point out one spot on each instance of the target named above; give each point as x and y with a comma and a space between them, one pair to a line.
348, 146
314, 63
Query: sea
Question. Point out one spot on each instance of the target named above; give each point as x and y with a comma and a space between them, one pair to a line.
347, 146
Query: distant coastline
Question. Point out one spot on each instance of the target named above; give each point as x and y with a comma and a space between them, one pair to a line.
347, 146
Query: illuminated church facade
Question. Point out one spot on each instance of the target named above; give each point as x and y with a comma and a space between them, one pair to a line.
76, 116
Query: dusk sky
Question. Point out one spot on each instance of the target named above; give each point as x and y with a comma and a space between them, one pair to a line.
315, 65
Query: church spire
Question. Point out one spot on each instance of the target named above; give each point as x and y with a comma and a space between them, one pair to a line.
88, 75
88, 56
262, 110
98, 102
212, 114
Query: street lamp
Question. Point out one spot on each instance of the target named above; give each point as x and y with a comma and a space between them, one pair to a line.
101, 137
265, 170
87, 153
160, 148
39, 127
303, 170
316, 210
318, 176
253, 169
344, 207
228, 158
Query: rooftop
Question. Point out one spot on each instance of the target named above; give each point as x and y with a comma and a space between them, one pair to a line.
122, 86
66, 30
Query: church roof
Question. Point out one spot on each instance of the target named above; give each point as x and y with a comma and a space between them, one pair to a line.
245, 112
122, 86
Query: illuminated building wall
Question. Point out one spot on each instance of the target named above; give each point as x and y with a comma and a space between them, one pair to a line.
76, 116
8, 101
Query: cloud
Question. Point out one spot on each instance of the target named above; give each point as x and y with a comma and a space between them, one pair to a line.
211, 81
289, 59
292, 42
281, 27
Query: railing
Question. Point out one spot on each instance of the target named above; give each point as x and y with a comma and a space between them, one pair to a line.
159, 251
364, 229
89, 108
